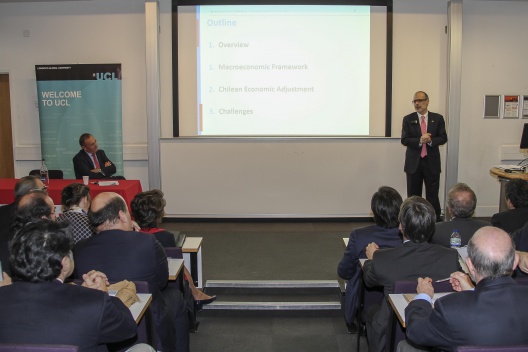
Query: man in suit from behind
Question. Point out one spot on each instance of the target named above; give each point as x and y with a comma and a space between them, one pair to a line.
33, 206
461, 204
423, 132
385, 206
23, 186
491, 314
516, 193
37, 308
92, 161
123, 254
416, 257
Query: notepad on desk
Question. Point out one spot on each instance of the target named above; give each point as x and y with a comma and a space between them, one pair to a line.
108, 183
510, 168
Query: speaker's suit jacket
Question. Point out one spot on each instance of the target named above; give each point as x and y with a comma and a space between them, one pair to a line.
405, 263
349, 268
510, 220
493, 314
56, 313
83, 165
466, 228
137, 256
410, 137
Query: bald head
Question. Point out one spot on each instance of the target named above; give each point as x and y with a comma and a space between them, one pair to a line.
109, 212
492, 253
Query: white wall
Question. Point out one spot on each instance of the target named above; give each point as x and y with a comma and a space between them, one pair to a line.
319, 177
495, 48
74, 32
276, 177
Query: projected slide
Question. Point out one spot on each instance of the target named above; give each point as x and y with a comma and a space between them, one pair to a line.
283, 70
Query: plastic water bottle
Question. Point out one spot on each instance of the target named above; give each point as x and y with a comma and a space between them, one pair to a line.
456, 240
44, 177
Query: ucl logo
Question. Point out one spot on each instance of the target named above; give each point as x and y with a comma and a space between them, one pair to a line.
104, 76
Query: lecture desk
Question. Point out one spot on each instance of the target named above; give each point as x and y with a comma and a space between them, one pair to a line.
192, 255
126, 188
138, 308
175, 267
400, 301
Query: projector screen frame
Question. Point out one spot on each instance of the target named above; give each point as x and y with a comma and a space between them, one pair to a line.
389, 43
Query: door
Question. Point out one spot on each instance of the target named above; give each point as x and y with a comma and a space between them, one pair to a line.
7, 168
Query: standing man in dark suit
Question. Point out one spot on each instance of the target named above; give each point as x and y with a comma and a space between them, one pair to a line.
385, 206
461, 204
415, 258
92, 161
123, 254
491, 314
37, 308
423, 132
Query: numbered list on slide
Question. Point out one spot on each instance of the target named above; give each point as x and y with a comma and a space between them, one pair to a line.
283, 70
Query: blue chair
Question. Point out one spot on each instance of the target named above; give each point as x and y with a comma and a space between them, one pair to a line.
368, 296
37, 348
52, 174
523, 348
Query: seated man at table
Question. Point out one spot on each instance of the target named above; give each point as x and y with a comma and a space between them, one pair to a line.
461, 204
516, 193
385, 206
34, 206
23, 186
37, 308
92, 161
491, 314
123, 254
415, 258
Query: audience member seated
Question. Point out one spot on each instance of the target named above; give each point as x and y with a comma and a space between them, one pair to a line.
123, 254
520, 239
92, 161
76, 202
148, 210
516, 193
415, 258
34, 206
461, 204
385, 205
37, 308
23, 186
491, 314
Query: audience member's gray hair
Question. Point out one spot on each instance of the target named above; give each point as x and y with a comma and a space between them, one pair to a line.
461, 207
25, 185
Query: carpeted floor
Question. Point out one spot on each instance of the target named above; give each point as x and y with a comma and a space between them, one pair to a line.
270, 251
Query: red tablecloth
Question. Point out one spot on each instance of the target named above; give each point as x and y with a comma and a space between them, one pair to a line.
126, 188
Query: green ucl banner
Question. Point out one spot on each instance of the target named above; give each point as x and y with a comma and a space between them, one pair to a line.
72, 100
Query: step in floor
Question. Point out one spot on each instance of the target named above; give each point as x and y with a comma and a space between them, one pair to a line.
274, 296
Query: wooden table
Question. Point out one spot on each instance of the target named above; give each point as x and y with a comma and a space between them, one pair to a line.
192, 255
126, 188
